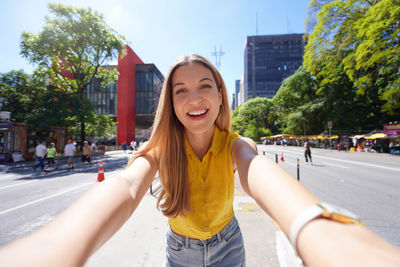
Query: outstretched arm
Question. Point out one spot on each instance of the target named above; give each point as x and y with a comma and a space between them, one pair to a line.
321, 242
81, 229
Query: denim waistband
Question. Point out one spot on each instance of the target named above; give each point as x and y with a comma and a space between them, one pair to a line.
218, 236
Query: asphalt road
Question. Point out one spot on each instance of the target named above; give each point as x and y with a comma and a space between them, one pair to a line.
365, 183
29, 200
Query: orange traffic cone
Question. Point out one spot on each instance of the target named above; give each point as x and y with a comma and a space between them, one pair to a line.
100, 175
282, 159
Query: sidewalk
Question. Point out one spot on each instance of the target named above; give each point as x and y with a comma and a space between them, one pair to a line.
6, 166
141, 240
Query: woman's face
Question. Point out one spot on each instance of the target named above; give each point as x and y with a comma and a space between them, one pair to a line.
196, 97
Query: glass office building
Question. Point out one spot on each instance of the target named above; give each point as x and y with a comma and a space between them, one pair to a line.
149, 81
104, 99
268, 60
148, 84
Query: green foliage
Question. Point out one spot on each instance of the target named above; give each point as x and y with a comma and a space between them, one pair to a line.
74, 43
19, 96
360, 38
251, 119
98, 125
298, 106
31, 100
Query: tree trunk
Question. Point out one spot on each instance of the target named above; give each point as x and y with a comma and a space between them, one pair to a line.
83, 133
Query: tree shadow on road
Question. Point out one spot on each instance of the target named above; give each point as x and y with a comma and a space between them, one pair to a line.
109, 164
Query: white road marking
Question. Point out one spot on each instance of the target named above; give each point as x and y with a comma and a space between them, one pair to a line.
9, 186
51, 196
348, 161
42, 199
7, 175
288, 163
336, 165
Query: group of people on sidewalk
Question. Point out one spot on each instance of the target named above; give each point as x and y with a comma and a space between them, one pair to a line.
42, 153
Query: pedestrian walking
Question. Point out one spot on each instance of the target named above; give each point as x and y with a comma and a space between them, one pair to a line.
86, 153
69, 152
307, 152
40, 154
124, 147
131, 146
51, 153
196, 154
93, 146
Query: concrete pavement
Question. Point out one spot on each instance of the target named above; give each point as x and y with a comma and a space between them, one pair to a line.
141, 240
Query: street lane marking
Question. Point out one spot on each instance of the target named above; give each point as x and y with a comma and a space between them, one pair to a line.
54, 195
288, 163
362, 163
349, 161
336, 165
42, 199
8, 186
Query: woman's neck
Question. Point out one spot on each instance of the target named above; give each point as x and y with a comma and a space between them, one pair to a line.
200, 142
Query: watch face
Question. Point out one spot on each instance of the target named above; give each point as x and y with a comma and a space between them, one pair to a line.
337, 210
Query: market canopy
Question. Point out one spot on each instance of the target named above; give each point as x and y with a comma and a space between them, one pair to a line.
376, 136
358, 136
281, 135
393, 136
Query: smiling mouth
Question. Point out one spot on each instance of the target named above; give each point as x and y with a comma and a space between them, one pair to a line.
197, 113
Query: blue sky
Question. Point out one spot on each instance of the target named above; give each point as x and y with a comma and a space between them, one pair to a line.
159, 31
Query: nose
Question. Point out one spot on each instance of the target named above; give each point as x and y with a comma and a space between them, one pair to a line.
194, 96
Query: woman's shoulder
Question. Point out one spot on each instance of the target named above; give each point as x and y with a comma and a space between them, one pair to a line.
242, 142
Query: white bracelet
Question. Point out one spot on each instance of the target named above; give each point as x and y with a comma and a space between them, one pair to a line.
301, 220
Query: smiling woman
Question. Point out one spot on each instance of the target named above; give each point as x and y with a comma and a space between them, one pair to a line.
196, 154
196, 101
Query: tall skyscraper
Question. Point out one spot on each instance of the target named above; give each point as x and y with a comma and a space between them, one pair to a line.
268, 60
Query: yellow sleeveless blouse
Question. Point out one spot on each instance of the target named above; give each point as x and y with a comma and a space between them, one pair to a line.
211, 189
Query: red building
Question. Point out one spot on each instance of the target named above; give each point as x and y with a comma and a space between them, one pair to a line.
125, 96
132, 101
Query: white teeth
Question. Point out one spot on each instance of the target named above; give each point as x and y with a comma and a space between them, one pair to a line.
197, 112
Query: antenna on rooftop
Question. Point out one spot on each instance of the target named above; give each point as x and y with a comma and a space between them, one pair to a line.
256, 23
288, 26
218, 55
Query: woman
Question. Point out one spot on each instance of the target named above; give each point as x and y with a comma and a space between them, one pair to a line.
51, 154
195, 153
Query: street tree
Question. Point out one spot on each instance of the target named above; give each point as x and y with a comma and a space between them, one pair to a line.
18, 97
72, 49
252, 118
299, 108
360, 38
31, 100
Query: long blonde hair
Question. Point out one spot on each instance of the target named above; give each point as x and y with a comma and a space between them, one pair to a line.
167, 141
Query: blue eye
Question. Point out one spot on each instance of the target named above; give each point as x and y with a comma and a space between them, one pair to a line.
206, 86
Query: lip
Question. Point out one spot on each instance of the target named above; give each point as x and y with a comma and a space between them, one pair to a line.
197, 118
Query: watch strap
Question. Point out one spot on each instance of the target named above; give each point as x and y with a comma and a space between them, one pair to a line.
301, 220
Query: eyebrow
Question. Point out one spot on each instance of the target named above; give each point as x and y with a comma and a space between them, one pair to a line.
203, 79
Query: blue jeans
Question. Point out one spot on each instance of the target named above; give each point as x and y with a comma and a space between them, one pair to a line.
40, 163
226, 248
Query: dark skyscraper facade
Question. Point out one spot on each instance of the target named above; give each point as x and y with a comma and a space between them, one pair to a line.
268, 60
